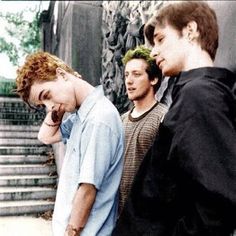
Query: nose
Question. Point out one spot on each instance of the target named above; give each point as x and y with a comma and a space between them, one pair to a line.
49, 105
155, 52
128, 79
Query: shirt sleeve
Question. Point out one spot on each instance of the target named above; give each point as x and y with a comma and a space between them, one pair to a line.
204, 142
99, 147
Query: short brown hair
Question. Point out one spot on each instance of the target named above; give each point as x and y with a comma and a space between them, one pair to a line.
178, 15
38, 67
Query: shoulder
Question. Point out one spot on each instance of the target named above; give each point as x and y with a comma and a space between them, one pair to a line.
104, 109
157, 113
217, 83
104, 114
201, 96
161, 108
202, 91
125, 116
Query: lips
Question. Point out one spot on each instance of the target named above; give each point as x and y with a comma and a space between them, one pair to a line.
159, 61
131, 89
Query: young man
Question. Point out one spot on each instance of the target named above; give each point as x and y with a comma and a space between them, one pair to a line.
186, 182
141, 123
86, 201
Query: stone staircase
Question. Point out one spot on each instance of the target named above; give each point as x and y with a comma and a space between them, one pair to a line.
27, 168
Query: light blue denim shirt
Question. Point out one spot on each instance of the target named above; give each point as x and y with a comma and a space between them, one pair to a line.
94, 154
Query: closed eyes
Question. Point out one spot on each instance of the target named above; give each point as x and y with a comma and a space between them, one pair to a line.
46, 95
160, 39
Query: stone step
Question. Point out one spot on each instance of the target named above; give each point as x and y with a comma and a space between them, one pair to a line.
28, 180
19, 122
27, 169
18, 109
20, 128
20, 142
23, 150
28, 193
14, 102
23, 159
11, 100
19, 134
15, 208
24, 115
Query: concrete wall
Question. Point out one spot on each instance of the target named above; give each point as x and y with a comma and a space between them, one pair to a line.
226, 16
87, 40
72, 31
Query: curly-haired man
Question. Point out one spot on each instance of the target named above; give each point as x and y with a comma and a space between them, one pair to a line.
86, 202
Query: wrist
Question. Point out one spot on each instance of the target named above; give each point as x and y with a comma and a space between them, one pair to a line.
52, 125
73, 231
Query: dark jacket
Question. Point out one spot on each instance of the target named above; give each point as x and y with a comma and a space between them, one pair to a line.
186, 184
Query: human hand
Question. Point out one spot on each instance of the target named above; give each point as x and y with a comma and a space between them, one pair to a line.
72, 231
56, 116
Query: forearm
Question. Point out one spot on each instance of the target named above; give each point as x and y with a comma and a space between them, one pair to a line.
49, 131
82, 205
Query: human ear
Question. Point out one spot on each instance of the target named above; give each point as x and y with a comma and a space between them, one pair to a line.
191, 31
78, 75
154, 81
61, 72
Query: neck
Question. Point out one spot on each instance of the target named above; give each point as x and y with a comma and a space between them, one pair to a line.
200, 59
141, 106
82, 90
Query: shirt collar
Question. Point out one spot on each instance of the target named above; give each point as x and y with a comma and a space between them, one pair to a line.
212, 72
89, 102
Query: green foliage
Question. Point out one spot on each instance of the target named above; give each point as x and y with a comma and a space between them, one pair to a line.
23, 36
10, 49
7, 87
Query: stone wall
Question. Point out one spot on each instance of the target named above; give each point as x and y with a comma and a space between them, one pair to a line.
122, 28
226, 53
72, 31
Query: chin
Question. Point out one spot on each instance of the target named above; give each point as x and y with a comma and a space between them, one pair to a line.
69, 109
130, 97
170, 72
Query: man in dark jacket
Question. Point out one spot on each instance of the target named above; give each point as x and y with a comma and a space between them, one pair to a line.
186, 184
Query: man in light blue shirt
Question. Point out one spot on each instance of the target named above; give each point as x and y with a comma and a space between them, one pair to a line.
94, 147
86, 201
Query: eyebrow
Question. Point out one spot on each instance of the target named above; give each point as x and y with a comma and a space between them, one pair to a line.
40, 95
156, 34
132, 71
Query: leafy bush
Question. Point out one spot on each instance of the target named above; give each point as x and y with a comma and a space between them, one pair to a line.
7, 87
